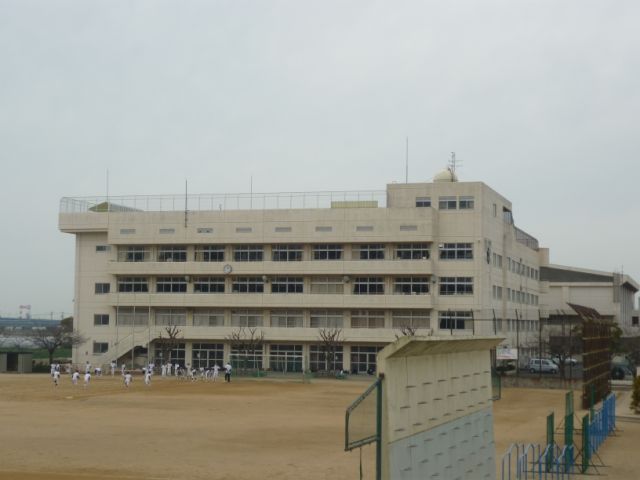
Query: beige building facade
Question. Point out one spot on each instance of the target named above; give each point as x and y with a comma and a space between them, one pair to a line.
442, 257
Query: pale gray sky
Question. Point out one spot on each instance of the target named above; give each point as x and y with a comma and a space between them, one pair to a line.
539, 98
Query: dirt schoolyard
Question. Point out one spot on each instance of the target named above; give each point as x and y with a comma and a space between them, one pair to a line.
248, 429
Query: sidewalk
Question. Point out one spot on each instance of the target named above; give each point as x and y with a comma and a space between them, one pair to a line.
623, 412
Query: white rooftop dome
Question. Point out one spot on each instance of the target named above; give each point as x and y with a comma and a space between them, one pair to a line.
445, 175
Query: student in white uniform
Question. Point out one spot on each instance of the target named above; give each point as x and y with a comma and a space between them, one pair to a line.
87, 379
176, 370
75, 377
127, 379
56, 377
216, 369
87, 367
123, 367
227, 372
147, 377
113, 367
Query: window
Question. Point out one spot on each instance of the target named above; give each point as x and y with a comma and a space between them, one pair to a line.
327, 285
244, 229
494, 210
127, 231
324, 229
248, 253
127, 316
447, 203
167, 231
412, 251
102, 288
411, 286
368, 286
243, 358
177, 355
282, 229
456, 285
466, 203
172, 254
456, 251
324, 358
364, 228
246, 318
363, 359
497, 260
326, 319
408, 228
205, 355
327, 252
209, 253
454, 320
134, 254
208, 318
423, 201
285, 358
286, 253
208, 285
100, 347
171, 285
103, 248
634, 321
373, 251
171, 316
101, 319
367, 319
248, 285
286, 318
132, 284
287, 285
497, 292
411, 318
205, 230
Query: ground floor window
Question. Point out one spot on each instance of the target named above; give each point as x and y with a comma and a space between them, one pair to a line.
243, 359
324, 358
207, 354
285, 358
175, 355
363, 359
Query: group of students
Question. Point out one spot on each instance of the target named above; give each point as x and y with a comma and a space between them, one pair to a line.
206, 373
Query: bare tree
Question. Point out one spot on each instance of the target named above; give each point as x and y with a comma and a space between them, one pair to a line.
169, 342
331, 339
247, 341
406, 331
52, 338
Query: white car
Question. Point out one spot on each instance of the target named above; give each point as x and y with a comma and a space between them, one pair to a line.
542, 365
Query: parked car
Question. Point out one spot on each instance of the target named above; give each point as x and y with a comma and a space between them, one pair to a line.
542, 365
567, 361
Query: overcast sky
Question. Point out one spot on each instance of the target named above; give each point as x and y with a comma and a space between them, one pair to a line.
541, 100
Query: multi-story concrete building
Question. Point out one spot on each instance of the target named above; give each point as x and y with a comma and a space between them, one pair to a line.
443, 257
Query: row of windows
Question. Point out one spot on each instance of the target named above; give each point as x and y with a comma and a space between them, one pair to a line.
127, 316
293, 253
515, 296
448, 202
516, 267
363, 285
516, 325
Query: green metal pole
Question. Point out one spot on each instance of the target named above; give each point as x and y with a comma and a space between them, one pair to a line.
379, 430
585, 444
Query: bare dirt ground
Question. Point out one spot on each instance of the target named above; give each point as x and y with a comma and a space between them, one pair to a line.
249, 429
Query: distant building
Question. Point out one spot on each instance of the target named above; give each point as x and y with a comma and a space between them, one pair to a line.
611, 294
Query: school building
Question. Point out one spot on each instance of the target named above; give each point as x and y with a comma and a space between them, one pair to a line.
443, 257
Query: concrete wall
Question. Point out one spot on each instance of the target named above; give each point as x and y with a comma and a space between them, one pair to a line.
437, 408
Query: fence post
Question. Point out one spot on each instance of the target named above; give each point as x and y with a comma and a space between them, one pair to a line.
550, 429
586, 454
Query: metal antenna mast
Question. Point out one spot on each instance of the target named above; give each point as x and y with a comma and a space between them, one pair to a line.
406, 168
185, 203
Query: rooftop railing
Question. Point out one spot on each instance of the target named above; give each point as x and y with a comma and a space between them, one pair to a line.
221, 202
526, 239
